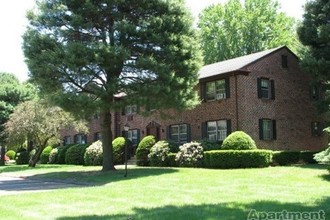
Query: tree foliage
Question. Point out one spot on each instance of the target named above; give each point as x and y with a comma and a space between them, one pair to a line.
37, 121
314, 32
235, 29
85, 52
12, 92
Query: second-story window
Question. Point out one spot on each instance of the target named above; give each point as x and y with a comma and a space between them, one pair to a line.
80, 139
130, 109
216, 90
266, 88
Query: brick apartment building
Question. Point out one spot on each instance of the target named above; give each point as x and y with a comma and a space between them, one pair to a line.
264, 94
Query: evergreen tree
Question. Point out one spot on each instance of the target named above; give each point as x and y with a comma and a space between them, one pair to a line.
82, 53
314, 33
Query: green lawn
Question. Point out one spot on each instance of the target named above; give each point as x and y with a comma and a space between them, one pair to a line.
169, 193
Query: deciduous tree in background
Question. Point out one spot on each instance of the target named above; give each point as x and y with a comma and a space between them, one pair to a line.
84, 52
235, 29
12, 92
36, 120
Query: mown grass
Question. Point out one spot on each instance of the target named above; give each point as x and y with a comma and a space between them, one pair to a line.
168, 193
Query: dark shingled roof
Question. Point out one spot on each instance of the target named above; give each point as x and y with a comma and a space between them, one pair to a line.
232, 65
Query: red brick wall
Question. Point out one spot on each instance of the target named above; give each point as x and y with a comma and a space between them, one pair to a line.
292, 108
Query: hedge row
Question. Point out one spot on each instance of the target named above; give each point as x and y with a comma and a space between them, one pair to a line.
225, 159
293, 157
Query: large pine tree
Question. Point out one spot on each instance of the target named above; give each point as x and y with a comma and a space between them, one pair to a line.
314, 33
84, 52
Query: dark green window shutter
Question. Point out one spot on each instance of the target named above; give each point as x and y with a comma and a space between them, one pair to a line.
204, 130
259, 88
75, 139
138, 137
227, 84
272, 89
274, 130
261, 131
95, 136
188, 133
123, 111
85, 138
202, 91
168, 132
229, 127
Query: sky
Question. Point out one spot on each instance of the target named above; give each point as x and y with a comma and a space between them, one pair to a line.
13, 24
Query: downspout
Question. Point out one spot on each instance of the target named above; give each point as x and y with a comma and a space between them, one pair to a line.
236, 102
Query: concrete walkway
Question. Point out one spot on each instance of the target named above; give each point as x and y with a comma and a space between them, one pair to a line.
14, 185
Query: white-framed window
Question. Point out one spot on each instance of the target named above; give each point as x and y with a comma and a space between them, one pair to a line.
217, 130
179, 133
67, 140
267, 129
80, 139
216, 90
266, 88
133, 136
130, 109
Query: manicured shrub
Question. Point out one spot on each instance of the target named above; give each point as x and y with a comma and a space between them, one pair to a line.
53, 156
118, 145
11, 154
61, 153
171, 162
210, 145
238, 140
94, 154
190, 155
22, 157
158, 154
286, 157
323, 156
75, 154
308, 156
143, 150
227, 159
44, 156
174, 147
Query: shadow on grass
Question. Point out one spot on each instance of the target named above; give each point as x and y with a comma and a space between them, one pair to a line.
97, 178
18, 168
312, 166
227, 211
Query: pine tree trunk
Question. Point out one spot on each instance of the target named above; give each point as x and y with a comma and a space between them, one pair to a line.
108, 162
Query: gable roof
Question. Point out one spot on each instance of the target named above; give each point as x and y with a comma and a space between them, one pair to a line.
235, 64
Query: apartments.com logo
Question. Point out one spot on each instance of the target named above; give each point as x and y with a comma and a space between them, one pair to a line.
286, 215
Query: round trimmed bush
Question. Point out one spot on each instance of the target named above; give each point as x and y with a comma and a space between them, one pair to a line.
11, 154
53, 156
143, 150
118, 145
44, 157
22, 157
238, 140
75, 154
158, 154
190, 155
61, 153
94, 154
